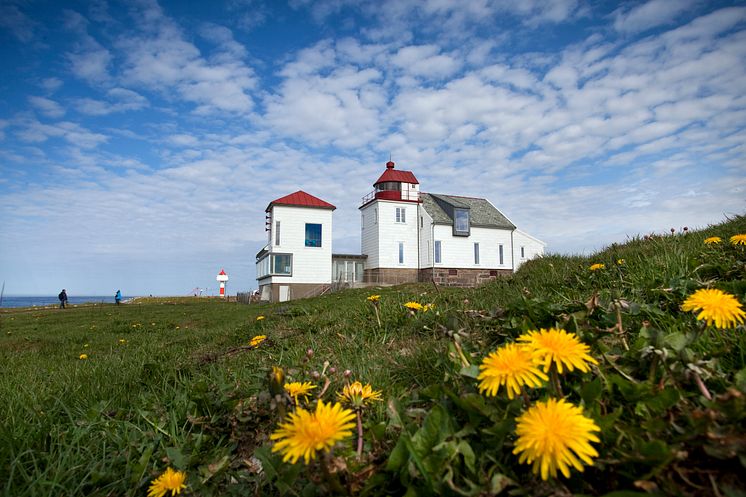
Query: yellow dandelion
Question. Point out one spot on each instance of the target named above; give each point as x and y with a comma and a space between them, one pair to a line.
415, 306
717, 307
304, 433
428, 307
512, 365
620, 262
122, 341
712, 240
558, 347
83, 357
297, 389
257, 340
374, 298
260, 318
357, 395
85, 345
170, 480
276, 381
597, 266
738, 239
555, 435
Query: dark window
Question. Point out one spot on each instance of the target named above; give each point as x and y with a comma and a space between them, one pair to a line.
437, 251
523, 252
313, 235
401, 215
476, 253
282, 264
277, 232
461, 222
500, 248
401, 252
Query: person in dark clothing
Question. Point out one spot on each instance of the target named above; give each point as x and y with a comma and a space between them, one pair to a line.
63, 298
118, 297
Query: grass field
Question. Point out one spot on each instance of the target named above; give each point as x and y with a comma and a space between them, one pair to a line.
174, 383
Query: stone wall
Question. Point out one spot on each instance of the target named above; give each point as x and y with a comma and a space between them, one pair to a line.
391, 276
460, 277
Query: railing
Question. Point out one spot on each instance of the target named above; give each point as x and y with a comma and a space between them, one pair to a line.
412, 196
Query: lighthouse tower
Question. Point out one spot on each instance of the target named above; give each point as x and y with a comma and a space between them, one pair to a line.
222, 279
390, 227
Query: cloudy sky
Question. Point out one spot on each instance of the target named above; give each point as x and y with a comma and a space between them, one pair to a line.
140, 142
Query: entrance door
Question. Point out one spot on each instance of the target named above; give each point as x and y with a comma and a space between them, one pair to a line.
284, 293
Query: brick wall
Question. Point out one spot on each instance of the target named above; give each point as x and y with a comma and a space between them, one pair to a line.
394, 276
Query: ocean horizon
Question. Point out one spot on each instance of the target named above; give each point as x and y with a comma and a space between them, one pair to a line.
9, 301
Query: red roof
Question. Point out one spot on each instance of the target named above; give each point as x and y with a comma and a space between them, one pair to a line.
222, 272
390, 174
301, 199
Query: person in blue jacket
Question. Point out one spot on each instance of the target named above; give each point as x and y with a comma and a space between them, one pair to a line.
118, 297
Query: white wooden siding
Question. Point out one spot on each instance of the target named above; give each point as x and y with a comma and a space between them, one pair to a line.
369, 235
391, 233
532, 247
458, 251
310, 264
427, 248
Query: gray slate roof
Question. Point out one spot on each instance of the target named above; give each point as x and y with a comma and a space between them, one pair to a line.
482, 213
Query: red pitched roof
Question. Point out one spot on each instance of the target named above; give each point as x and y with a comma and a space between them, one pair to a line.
301, 199
391, 174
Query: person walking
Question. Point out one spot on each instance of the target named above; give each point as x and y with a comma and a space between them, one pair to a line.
63, 298
118, 297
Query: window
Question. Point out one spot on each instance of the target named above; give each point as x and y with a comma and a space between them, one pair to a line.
277, 232
375, 215
401, 215
461, 222
500, 253
282, 264
422, 222
437, 251
313, 235
523, 252
401, 252
476, 253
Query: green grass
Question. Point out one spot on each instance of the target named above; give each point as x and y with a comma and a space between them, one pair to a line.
185, 391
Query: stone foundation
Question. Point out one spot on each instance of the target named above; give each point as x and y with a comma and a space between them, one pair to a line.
390, 276
295, 290
461, 277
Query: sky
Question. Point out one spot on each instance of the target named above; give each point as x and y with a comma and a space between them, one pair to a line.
141, 141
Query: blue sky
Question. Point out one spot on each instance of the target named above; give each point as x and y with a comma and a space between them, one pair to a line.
140, 141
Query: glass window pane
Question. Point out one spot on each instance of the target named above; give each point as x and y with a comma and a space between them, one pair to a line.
437, 251
461, 221
401, 252
313, 235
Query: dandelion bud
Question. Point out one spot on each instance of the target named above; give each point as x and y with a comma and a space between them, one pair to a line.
309, 353
332, 370
673, 231
686, 228
315, 375
347, 373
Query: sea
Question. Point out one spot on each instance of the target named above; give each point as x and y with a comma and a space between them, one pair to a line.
37, 301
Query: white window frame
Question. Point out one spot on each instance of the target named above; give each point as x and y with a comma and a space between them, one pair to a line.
401, 252
500, 252
523, 252
438, 252
277, 233
476, 253
401, 215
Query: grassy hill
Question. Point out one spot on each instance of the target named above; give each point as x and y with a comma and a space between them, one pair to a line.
175, 383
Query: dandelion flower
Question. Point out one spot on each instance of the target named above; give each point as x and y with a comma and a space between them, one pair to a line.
558, 347
512, 365
304, 433
357, 395
83, 357
428, 307
717, 307
620, 262
257, 340
712, 240
170, 480
374, 298
415, 306
738, 239
297, 389
122, 341
260, 318
597, 266
555, 435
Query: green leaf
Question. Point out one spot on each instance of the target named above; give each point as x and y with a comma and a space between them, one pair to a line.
663, 400
677, 341
176, 457
471, 371
466, 451
399, 456
591, 391
740, 380
656, 451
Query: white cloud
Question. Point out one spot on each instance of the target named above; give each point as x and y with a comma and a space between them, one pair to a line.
46, 106
120, 100
651, 14
425, 60
31, 130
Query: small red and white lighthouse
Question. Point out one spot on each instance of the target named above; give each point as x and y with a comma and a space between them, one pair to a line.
222, 279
